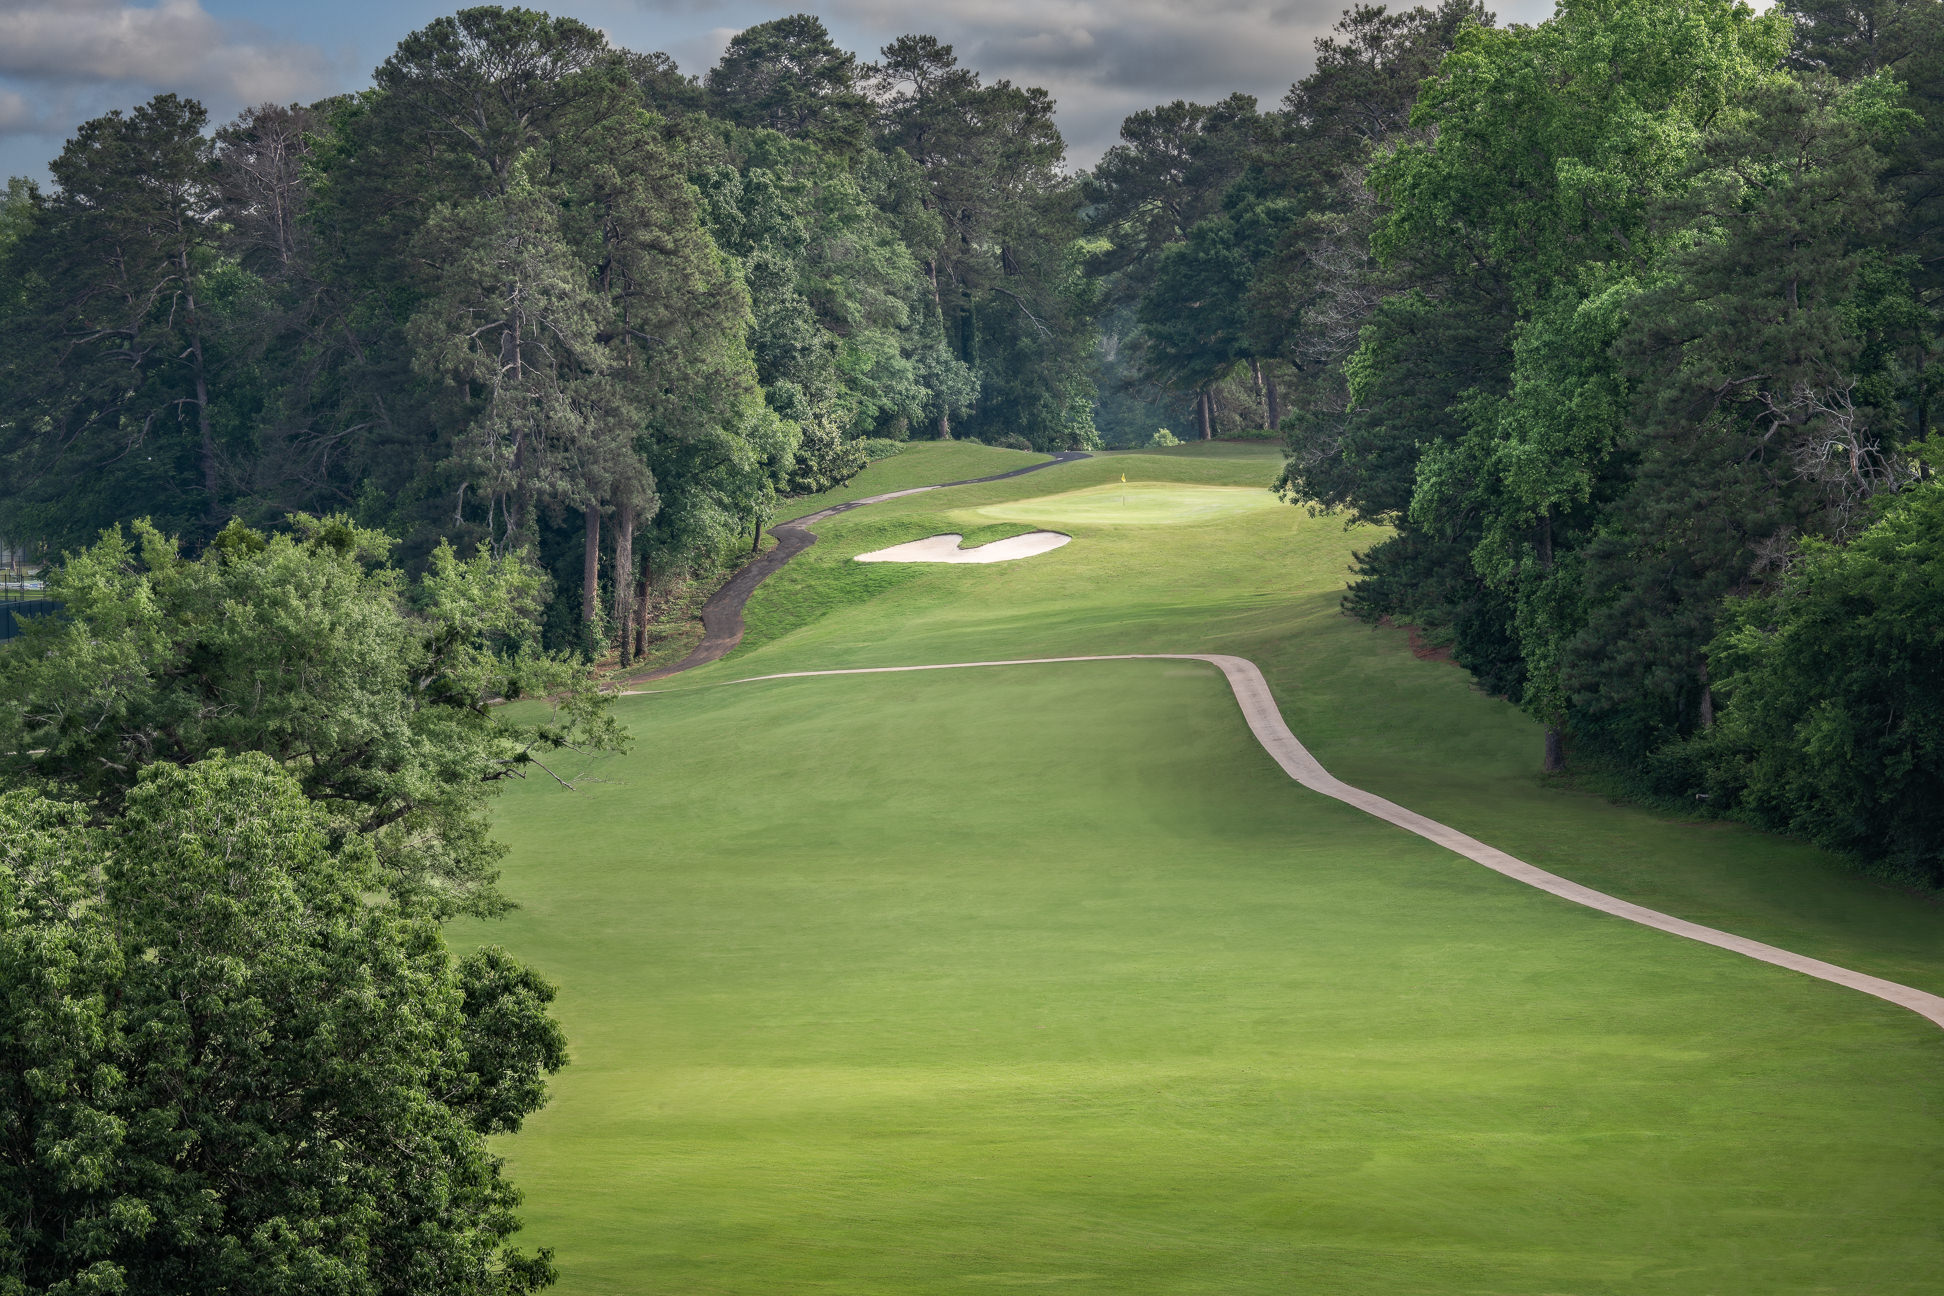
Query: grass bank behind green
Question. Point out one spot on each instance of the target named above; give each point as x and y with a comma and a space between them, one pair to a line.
921, 463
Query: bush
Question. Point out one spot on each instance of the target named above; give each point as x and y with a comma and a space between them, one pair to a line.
824, 459
1834, 724
1163, 438
377, 693
1010, 441
876, 448
230, 1068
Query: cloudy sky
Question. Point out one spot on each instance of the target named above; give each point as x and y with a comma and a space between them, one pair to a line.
62, 61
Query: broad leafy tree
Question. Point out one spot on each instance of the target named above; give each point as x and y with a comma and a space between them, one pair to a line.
227, 1070
1553, 146
112, 369
1833, 684
788, 76
378, 695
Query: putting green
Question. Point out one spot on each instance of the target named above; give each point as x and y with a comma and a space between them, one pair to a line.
1047, 976
1147, 503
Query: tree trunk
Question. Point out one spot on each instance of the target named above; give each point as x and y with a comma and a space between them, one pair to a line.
1555, 749
1555, 736
1274, 400
513, 509
203, 424
624, 524
1262, 394
208, 438
642, 591
1707, 699
938, 301
591, 567
1205, 412
513, 505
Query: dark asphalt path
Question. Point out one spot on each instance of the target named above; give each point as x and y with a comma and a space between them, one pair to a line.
722, 615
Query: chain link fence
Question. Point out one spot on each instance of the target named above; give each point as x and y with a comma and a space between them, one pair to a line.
22, 593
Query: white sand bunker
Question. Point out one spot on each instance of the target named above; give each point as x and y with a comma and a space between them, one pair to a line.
945, 549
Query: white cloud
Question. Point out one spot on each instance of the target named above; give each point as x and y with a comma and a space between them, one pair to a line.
50, 45
1100, 59
1104, 59
17, 116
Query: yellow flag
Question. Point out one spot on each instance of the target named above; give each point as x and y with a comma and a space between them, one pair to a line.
1123, 476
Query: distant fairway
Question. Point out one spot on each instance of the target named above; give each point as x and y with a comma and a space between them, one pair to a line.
1048, 977
1146, 503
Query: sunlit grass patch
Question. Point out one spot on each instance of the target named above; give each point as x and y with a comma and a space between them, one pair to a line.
1135, 503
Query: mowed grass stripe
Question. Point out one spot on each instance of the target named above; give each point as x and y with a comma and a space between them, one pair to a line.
929, 984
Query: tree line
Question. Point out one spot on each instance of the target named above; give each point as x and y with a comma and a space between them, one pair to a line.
1630, 326
532, 291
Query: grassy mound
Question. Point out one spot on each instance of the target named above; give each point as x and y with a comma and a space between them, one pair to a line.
920, 463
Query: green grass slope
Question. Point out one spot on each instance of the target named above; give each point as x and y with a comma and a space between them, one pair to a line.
1141, 503
922, 463
1047, 976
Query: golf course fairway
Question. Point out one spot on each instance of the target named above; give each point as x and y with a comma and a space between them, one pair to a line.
1049, 977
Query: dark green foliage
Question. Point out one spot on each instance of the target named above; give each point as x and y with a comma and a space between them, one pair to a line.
788, 77
1696, 525
998, 243
1166, 176
1176, 238
876, 448
529, 281
842, 315
1406, 386
227, 1071
1193, 314
824, 459
242, 791
1834, 691
111, 358
1751, 373
1421, 578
